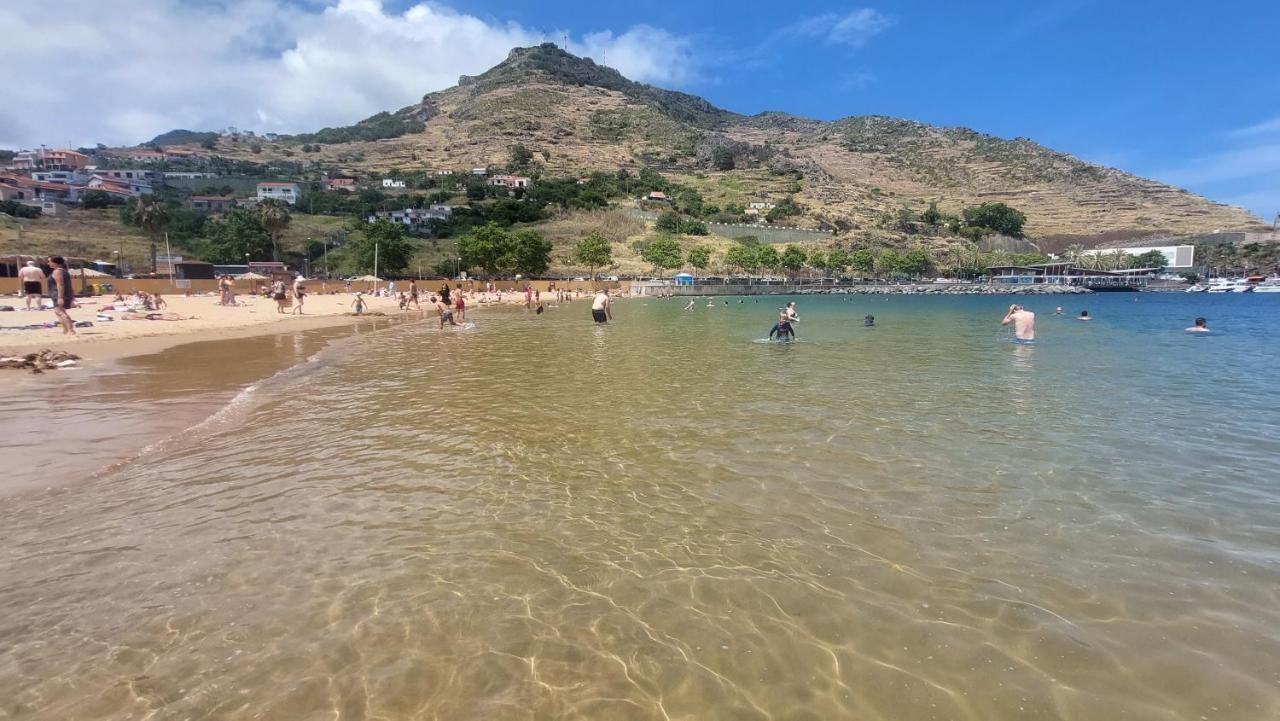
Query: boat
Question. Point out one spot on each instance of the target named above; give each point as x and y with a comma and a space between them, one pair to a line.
1230, 285
1270, 285
1197, 288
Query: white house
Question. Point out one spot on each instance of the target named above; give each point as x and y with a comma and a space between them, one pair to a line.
413, 217
284, 192
123, 187
69, 177
389, 183
760, 206
480, 171
151, 176
509, 181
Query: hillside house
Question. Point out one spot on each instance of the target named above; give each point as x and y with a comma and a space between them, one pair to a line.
211, 203
657, 196
49, 159
284, 192
343, 184
27, 190
120, 187
509, 181
414, 218
482, 172
183, 175
391, 183
68, 177
150, 176
760, 206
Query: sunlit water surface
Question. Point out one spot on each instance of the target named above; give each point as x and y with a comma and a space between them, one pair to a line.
662, 519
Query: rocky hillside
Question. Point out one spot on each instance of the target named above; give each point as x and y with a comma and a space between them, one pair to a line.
576, 115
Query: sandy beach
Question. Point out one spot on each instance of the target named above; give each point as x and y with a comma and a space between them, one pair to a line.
204, 319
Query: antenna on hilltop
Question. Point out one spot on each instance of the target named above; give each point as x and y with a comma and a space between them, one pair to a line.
566, 42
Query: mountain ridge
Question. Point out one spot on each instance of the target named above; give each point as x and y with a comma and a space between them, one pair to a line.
851, 172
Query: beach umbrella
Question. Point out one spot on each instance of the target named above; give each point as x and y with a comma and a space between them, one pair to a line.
251, 276
369, 279
93, 273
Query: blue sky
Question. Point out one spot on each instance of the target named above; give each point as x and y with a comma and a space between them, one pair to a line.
1182, 92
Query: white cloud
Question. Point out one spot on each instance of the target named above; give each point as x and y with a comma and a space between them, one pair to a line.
642, 53
854, 28
1225, 166
1266, 127
126, 70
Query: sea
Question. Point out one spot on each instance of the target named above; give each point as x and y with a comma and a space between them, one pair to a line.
665, 517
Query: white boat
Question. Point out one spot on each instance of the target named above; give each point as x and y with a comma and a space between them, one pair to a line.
1197, 288
1271, 286
1230, 285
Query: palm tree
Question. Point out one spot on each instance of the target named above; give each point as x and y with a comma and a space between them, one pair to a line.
150, 215
1119, 259
275, 218
1075, 254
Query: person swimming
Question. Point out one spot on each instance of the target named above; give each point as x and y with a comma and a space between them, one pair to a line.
1201, 326
869, 321
1084, 315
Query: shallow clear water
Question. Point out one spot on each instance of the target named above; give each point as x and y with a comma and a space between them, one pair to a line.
663, 519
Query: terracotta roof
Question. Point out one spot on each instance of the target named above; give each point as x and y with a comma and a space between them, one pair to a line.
273, 183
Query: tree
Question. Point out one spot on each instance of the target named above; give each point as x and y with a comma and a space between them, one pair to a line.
484, 247
150, 215
767, 258
699, 257
593, 251
997, 217
520, 156
863, 261
238, 236
385, 242
889, 262
793, 259
667, 222
663, 253
915, 263
96, 199
818, 260
838, 260
529, 254
1150, 259
275, 218
723, 158
744, 256
931, 216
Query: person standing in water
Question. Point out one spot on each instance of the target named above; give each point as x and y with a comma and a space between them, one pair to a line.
413, 295
869, 321
1084, 315
64, 299
1024, 323
1201, 326
601, 312
446, 313
785, 328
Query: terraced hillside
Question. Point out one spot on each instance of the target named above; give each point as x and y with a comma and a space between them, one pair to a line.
576, 116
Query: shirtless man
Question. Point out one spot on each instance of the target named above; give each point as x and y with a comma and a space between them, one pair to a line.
32, 283
446, 313
601, 312
1024, 323
64, 298
1201, 326
413, 295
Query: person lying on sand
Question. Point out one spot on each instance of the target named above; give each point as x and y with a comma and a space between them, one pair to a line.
156, 316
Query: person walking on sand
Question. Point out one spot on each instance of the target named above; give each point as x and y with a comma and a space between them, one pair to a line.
278, 295
1024, 323
358, 305
32, 283
64, 299
1201, 326
601, 312
446, 313
299, 292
